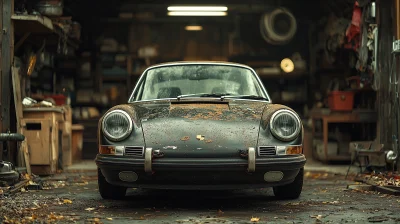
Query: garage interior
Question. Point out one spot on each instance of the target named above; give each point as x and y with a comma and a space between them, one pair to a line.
334, 62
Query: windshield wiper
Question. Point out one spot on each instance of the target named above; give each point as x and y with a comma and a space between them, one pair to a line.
203, 95
253, 97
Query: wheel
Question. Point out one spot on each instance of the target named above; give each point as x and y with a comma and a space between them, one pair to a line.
107, 190
292, 190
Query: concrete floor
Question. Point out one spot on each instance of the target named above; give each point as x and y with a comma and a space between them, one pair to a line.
73, 197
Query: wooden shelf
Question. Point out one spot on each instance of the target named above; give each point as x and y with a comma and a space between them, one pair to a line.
35, 24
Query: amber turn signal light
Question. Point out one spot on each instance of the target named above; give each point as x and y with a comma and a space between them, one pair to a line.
103, 149
294, 150
111, 150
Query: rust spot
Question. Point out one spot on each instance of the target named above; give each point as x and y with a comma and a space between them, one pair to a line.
201, 111
185, 138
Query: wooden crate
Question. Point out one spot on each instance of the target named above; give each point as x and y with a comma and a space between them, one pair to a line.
43, 132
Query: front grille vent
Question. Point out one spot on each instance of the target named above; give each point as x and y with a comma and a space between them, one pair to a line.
266, 150
134, 151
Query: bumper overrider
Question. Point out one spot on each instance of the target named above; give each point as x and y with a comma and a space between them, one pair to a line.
200, 173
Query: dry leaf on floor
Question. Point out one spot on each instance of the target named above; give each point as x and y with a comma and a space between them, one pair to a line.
254, 219
200, 137
185, 138
316, 216
67, 201
109, 219
89, 209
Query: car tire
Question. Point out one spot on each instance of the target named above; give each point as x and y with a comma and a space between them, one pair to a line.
292, 190
109, 191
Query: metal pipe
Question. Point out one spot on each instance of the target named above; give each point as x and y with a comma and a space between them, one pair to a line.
11, 137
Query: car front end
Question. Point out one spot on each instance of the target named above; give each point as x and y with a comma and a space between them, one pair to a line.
210, 143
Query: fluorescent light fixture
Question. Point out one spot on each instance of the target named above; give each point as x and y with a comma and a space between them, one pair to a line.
193, 13
193, 28
198, 8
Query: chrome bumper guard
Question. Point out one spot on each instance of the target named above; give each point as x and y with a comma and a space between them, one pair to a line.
252, 160
148, 157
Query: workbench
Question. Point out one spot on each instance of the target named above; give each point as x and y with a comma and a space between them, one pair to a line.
327, 116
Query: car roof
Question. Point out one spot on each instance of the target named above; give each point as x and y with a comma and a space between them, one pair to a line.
198, 62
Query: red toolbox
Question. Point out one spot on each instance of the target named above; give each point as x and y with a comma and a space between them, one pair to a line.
341, 100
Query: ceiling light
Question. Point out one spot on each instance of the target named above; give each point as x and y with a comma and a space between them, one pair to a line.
193, 28
193, 13
287, 65
198, 8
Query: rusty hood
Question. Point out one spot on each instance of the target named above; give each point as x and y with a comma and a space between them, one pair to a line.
196, 128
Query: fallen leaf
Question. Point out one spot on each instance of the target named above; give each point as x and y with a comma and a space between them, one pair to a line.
200, 137
316, 216
185, 138
66, 201
89, 209
109, 219
254, 219
209, 141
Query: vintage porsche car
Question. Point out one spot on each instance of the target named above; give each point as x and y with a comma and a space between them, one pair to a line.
200, 125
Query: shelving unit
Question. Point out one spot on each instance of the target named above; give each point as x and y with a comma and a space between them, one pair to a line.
43, 27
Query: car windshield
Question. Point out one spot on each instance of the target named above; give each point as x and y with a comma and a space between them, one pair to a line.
198, 80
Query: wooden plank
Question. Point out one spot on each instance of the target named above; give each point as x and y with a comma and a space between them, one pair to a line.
388, 190
397, 19
1, 73
6, 55
32, 24
23, 153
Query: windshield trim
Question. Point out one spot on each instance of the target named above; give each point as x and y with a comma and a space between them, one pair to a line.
130, 100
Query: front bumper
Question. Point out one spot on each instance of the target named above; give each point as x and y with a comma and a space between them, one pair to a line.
200, 173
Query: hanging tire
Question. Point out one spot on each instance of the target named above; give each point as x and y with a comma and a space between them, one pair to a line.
109, 191
278, 26
292, 190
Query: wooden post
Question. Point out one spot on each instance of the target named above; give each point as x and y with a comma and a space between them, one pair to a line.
397, 19
6, 60
396, 32
1, 72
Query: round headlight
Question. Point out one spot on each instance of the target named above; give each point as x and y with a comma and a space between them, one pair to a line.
117, 125
285, 125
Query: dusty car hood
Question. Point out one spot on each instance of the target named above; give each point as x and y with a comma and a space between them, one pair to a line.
225, 127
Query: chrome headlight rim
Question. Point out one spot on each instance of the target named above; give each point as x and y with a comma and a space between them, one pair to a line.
285, 138
108, 135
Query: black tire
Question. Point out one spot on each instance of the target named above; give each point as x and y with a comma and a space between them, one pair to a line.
109, 191
292, 190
